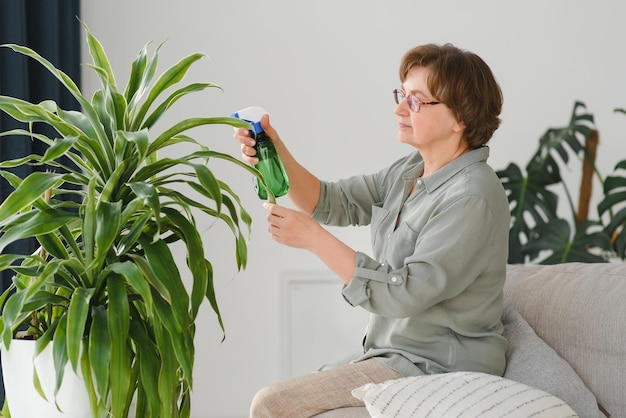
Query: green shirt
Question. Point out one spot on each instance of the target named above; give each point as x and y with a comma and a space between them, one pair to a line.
433, 286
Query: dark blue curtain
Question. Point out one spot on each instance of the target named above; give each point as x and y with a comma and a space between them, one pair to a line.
51, 28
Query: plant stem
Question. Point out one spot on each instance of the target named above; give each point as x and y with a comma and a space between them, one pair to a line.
586, 181
42, 253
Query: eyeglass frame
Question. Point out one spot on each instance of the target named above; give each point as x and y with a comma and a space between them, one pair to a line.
413, 102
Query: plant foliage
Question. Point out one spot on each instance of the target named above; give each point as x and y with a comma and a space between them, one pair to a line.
538, 233
105, 289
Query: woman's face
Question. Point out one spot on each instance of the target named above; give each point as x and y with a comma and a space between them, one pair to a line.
434, 126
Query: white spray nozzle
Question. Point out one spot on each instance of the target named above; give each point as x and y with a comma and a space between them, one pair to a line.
250, 114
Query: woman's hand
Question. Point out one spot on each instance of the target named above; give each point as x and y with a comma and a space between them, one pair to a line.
243, 136
292, 228
297, 229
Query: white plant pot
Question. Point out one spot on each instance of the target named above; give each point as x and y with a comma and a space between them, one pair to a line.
22, 398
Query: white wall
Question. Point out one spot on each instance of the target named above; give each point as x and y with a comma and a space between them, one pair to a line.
325, 69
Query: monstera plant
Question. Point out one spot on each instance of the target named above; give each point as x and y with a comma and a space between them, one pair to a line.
104, 288
538, 232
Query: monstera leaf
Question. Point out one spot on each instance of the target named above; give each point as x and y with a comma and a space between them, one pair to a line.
554, 237
557, 140
531, 204
614, 198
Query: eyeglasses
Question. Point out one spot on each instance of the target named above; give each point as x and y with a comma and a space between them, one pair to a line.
414, 102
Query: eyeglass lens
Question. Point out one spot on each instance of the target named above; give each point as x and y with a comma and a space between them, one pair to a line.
414, 103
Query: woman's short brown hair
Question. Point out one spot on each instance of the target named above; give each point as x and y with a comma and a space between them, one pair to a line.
464, 82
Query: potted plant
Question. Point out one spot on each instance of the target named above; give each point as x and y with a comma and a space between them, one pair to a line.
104, 290
539, 234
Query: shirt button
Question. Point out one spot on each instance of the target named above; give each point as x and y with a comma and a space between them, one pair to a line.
394, 279
419, 182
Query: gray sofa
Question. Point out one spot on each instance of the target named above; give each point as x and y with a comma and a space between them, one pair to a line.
579, 310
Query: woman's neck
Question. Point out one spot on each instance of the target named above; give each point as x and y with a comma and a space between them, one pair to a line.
434, 160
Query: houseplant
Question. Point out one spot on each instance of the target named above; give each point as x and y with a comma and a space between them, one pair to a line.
539, 233
104, 289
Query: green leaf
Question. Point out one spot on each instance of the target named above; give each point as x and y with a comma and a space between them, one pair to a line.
587, 245
31, 189
195, 257
53, 245
151, 277
107, 229
118, 320
78, 120
98, 405
210, 184
67, 82
129, 241
170, 77
89, 223
116, 180
149, 363
12, 316
163, 265
141, 76
571, 136
614, 197
531, 203
46, 338
162, 140
59, 351
147, 192
60, 147
33, 224
99, 56
136, 282
136, 74
100, 349
167, 373
210, 294
180, 339
76, 320
173, 98
139, 139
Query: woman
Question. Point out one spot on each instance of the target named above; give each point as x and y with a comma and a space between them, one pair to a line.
439, 219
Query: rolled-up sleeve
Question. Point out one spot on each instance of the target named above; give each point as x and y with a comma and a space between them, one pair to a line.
346, 202
357, 291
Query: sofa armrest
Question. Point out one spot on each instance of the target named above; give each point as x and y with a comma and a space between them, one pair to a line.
579, 310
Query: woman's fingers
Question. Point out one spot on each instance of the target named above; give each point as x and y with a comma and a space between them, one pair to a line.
248, 152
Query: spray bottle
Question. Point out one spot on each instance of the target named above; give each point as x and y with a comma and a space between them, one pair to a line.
269, 163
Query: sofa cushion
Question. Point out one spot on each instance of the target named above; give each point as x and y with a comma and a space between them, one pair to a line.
457, 394
533, 362
578, 309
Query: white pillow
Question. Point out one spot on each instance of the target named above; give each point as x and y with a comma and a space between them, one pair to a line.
459, 395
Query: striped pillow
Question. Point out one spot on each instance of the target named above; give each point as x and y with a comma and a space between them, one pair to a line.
459, 395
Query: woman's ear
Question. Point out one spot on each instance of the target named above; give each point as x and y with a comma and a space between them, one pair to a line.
459, 126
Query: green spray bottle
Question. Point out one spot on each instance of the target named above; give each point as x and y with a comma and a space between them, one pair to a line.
269, 163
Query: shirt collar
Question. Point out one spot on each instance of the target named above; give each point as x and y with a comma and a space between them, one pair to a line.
442, 175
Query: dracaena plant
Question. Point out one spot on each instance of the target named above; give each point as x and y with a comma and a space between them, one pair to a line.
539, 233
105, 288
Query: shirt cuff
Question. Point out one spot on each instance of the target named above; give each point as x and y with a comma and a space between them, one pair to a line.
367, 269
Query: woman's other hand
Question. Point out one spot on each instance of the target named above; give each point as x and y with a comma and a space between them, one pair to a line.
291, 227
